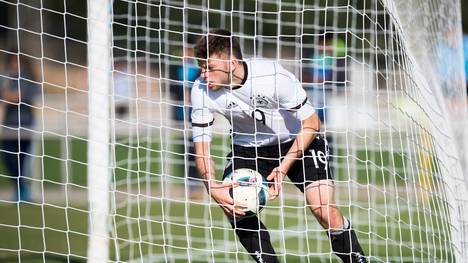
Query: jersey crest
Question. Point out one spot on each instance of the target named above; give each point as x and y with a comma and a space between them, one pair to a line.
260, 101
231, 105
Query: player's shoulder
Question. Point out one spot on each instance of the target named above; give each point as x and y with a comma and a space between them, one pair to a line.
262, 67
199, 84
199, 88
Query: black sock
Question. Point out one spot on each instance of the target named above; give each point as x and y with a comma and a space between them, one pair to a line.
255, 238
346, 245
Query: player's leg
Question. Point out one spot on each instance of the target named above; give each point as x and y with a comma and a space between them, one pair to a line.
255, 238
345, 244
313, 176
251, 232
319, 197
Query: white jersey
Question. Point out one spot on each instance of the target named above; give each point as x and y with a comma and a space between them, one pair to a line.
266, 109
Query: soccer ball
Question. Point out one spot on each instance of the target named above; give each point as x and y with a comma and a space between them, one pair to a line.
252, 190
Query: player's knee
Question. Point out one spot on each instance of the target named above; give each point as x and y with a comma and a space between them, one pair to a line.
328, 217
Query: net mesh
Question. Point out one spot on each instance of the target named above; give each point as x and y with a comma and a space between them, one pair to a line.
384, 76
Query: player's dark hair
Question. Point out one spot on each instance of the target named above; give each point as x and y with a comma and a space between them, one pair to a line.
216, 42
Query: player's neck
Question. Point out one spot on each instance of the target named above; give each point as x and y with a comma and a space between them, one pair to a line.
239, 75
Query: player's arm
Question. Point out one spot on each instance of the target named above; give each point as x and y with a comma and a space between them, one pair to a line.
205, 164
202, 121
295, 100
218, 191
310, 128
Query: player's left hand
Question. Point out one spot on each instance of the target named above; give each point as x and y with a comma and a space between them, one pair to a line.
277, 176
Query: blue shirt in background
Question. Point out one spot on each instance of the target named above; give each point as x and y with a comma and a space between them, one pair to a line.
20, 114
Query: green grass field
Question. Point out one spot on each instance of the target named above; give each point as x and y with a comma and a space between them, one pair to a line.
62, 233
152, 224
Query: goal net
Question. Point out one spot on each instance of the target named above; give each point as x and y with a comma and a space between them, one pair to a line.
385, 77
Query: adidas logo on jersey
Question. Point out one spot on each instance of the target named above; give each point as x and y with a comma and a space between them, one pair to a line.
231, 105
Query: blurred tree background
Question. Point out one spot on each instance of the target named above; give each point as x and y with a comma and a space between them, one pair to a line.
54, 32
61, 25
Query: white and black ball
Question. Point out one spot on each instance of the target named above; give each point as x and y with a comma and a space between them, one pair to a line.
252, 190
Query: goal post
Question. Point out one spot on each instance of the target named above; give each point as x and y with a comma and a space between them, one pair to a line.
112, 171
100, 80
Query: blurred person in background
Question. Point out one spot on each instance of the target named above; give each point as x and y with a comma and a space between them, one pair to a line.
182, 76
18, 91
445, 58
324, 70
124, 84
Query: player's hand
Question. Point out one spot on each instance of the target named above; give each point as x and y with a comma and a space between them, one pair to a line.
277, 176
220, 193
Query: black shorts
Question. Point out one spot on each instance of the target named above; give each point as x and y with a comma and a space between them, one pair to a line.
313, 166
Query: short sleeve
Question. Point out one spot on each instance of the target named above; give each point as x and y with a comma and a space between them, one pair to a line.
292, 97
202, 115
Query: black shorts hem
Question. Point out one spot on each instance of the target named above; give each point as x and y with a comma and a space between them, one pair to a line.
313, 166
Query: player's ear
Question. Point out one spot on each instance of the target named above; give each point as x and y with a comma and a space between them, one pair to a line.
234, 63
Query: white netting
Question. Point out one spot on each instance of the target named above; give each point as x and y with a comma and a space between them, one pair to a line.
382, 115
384, 75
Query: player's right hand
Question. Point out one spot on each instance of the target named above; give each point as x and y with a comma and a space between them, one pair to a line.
220, 193
277, 176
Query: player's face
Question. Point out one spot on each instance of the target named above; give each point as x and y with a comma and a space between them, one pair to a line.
217, 72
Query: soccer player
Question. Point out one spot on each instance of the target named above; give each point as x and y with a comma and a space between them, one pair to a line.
275, 131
